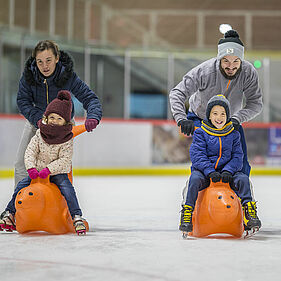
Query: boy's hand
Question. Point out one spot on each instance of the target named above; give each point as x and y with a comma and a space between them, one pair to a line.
226, 177
187, 127
215, 176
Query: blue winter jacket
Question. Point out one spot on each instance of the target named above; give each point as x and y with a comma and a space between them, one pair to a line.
36, 91
209, 153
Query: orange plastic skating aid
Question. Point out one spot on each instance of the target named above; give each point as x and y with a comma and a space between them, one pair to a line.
41, 206
217, 211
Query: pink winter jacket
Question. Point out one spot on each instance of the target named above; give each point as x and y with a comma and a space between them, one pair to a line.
56, 157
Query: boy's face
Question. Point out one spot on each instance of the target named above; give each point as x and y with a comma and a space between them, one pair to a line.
55, 119
218, 116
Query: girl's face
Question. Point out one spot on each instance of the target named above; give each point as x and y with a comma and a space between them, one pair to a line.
218, 116
46, 62
55, 119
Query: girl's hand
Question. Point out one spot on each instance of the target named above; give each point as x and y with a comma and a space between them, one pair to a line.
33, 173
44, 173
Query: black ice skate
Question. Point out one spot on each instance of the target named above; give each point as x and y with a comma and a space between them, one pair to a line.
186, 219
252, 223
7, 222
79, 225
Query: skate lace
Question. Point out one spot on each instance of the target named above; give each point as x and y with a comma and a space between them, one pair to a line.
187, 214
79, 224
252, 209
8, 219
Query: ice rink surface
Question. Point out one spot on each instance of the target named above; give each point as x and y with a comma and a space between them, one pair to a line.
134, 236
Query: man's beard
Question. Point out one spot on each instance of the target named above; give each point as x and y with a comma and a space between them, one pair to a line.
230, 77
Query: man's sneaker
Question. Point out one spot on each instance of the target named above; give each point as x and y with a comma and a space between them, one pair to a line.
7, 222
79, 225
251, 220
186, 219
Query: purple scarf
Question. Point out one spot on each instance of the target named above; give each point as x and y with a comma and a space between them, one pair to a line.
55, 134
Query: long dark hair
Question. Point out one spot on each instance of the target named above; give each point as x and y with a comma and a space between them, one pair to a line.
46, 45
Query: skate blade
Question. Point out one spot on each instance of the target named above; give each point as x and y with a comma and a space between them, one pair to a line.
251, 232
186, 236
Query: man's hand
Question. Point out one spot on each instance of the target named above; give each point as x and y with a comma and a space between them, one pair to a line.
187, 127
235, 124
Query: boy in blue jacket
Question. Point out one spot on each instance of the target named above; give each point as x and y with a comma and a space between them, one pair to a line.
216, 154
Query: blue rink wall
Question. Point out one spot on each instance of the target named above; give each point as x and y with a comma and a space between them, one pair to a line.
142, 147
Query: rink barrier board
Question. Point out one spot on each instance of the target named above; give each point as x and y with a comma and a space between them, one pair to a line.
147, 171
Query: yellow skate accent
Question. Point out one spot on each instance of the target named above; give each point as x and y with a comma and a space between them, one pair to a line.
187, 214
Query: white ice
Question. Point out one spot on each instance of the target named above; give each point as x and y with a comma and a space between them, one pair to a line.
134, 236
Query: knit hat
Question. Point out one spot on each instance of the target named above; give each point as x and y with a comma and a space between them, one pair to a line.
61, 105
231, 45
218, 100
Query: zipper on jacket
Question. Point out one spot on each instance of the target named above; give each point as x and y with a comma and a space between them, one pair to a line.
228, 83
47, 90
219, 153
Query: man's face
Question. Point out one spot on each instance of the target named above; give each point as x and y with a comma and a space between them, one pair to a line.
230, 65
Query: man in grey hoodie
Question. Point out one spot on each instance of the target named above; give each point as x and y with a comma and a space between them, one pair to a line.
228, 74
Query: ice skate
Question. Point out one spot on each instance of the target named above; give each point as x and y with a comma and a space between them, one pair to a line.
79, 225
186, 220
252, 224
7, 222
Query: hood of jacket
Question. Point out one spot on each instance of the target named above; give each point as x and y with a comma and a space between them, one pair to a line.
61, 75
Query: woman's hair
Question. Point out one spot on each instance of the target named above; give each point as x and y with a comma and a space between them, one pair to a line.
45, 121
46, 45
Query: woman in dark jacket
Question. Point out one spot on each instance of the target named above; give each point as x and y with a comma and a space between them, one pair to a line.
216, 154
47, 71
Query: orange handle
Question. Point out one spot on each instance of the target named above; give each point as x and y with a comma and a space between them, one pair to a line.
79, 129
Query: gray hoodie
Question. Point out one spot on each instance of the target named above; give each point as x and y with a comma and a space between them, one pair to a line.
206, 80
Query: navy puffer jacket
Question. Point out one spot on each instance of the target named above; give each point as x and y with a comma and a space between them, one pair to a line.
209, 153
36, 91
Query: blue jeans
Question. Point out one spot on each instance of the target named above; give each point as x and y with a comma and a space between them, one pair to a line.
63, 183
198, 181
246, 169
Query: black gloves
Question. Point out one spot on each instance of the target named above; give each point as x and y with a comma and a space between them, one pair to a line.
235, 124
187, 127
215, 176
226, 177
